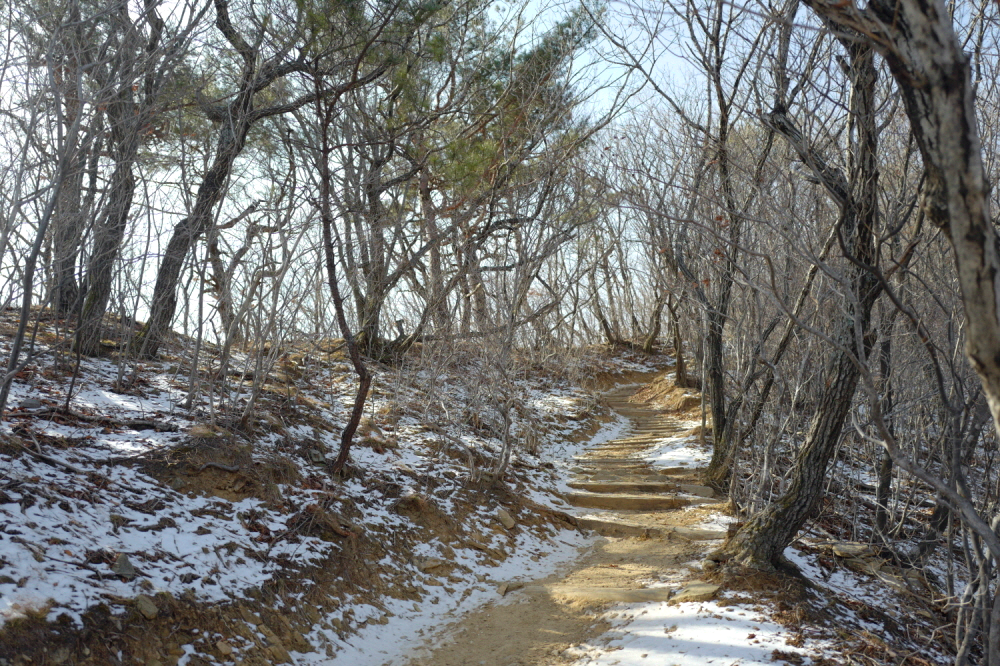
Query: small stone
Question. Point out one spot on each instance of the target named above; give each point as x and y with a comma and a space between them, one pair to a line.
177, 483
60, 656
122, 567
864, 565
205, 431
224, 648
280, 654
269, 634
118, 521
851, 549
249, 617
505, 519
316, 457
426, 564
31, 403
512, 586
146, 606
695, 592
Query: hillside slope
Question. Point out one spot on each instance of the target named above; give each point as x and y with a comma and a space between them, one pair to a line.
139, 526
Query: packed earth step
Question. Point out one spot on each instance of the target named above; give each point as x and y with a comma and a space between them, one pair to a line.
616, 502
638, 507
613, 527
634, 487
603, 594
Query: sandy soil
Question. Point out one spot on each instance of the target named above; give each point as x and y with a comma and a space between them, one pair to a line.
542, 623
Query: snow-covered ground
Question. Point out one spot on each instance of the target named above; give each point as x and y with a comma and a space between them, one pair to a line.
88, 492
692, 634
98, 507
683, 451
413, 622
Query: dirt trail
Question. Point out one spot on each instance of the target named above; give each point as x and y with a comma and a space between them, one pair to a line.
639, 509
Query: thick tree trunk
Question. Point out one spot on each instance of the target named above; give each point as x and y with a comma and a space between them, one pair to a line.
718, 469
649, 345
210, 193
762, 540
68, 219
67, 235
110, 232
100, 274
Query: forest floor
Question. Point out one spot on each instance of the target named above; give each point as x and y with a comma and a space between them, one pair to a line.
151, 516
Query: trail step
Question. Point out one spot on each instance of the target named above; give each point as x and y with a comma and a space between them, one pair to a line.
621, 528
635, 447
632, 502
630, 466
610, 486
633, 411
615, 476
615, 461
604, 594
625, 486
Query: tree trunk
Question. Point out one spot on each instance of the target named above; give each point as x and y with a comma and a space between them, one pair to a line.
326, 114
110, 232
210, 192
718, 469
67, 235
67, 226
654, 326
884, 484
763, 539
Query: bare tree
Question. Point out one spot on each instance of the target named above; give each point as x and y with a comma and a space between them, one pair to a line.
272, 54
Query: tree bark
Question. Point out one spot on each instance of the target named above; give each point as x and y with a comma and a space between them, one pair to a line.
762, 540
325, 113
649, 346
927, 61
232, 138
884, 471
125, 121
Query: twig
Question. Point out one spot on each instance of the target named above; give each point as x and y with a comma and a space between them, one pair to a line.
224, 468
135, 424
55, 462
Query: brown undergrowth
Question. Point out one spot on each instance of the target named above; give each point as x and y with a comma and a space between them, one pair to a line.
276, 617
219, 459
